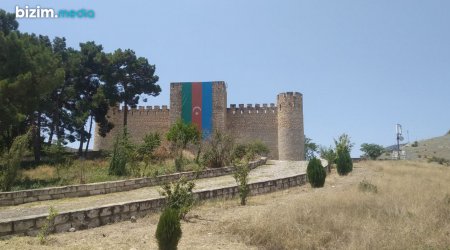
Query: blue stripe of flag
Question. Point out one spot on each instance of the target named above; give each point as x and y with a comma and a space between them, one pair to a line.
207, 102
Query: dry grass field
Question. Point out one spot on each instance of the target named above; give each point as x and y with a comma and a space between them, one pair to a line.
410, 210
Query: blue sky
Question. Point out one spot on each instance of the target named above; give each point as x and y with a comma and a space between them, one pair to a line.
362, 66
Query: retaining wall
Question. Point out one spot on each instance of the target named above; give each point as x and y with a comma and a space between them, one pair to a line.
95, 217
25, 196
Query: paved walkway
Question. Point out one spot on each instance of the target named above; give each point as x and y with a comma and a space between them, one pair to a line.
272, 170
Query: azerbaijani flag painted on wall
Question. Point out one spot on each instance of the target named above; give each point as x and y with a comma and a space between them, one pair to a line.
196, 105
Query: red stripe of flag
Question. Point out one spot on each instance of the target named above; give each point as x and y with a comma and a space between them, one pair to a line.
197, 104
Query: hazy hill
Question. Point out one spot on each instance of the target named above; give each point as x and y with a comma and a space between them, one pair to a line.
438, 147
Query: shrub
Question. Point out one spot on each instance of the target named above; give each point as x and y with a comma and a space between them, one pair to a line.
344, 142
365, 186
161, 154
240, 174
56, 153
10, 161
218, 150
344, 164
439, 160
179, 196
151, 142
168, 232
415, 144
122, 153
249, 151
47, 227
239, 151
328, 154
316, 174
259, 148
180, 134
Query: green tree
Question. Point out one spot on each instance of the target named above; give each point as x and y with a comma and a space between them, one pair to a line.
127, 77
344, 164
180, 134
310, 148
90, 100
8, 22
29, 71
372, 151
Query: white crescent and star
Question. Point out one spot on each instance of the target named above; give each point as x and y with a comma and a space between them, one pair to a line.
196, 110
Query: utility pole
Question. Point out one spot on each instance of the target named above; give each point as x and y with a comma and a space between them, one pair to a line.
398, 129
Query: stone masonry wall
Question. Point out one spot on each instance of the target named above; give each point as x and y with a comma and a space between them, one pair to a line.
98, 216
257, 122
141, 121
53, 193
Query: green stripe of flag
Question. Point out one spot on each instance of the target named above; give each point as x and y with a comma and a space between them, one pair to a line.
186, 102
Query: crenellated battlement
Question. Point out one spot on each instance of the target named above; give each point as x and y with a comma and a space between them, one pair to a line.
289, 94
141, 110
250, 108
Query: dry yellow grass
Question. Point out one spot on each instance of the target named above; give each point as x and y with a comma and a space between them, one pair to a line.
411, 210
42, 172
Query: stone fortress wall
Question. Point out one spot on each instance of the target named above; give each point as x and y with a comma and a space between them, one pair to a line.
279, 126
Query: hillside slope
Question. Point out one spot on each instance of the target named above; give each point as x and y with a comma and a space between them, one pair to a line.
435, 147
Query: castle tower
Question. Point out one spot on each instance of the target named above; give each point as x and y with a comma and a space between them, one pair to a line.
213, 94
291, 137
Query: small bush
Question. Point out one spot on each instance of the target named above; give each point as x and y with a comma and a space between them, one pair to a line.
344, 164
415, 144
161, 154
168, 232
181, 134
316, 174
48, 225
439, 160
328, 154
122, 153
241, 176
259, 148
249, 151
179, 196
218, 150
365, 186
56, 153
239, 151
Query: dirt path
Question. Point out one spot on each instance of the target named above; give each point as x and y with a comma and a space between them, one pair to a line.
273, 170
